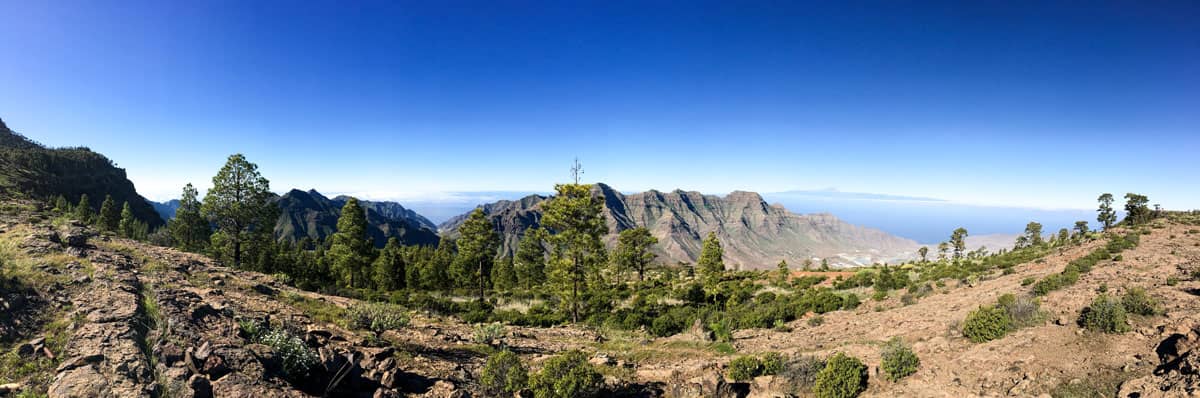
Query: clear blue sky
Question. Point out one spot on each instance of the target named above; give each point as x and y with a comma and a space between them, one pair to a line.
1022, 103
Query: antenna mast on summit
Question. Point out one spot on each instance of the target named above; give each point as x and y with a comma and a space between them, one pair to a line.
576, 171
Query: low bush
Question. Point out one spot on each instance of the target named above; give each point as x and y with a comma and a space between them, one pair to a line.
488, 333
504, 374
844, 376
772, 363
898, 360
566, 376
376, 317
1022, 311
986, 324
799, 375
294, 356
1137, 301
745, 368
1105, 314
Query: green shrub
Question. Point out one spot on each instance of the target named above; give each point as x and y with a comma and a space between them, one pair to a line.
486, 333
1106, 314
1028, 281
504, 373
1022, 311
1137, 301
296, 358
721, 331
566, 376
799, 375
908, 299
745, 368
376, 317
843, 377
1172, 281
850, 301
772, 363
986, 324
898, 360
816, 320
879, 295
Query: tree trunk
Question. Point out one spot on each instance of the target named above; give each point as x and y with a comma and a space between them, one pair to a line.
481, 280
575, 292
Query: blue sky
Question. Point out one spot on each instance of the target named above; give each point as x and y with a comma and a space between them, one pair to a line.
1039, 104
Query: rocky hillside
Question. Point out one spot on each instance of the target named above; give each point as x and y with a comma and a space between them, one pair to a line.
755, 235
31, 169
310, 214
89, 315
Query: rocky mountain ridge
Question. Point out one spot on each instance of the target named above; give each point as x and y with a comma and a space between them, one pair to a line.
754, 234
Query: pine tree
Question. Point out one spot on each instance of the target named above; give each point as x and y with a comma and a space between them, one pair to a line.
83, 211
1136, 210
504, 276
127, 225
239, 203
477, 243
633, 251
436, 274
189, 229
351, 251
711, 265
924, 253
1081, 229
61, 206
782, 271
958, 240
1107, 216
389, 268
109, 218
575, 216
530, 261
1033, 233
943, 248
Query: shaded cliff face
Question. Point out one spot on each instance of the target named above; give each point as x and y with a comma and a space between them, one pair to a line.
755, 235
33, 170
310, 214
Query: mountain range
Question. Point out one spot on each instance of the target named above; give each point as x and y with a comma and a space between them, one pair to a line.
310, 214
754, 234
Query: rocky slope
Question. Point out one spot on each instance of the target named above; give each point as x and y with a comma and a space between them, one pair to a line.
29, 168
310, 214
755, 235
91, 315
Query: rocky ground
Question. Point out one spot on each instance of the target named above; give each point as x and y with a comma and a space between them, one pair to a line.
87, 315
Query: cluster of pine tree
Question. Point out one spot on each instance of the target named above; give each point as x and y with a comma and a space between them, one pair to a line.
107, 219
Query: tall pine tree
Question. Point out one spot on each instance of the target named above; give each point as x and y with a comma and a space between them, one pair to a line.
110, 217
389, 268
1106, 215
711, 264
240, 205
84, 211
633, 251
575, 216
477, 244
530, 259
189, 229
351, 251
